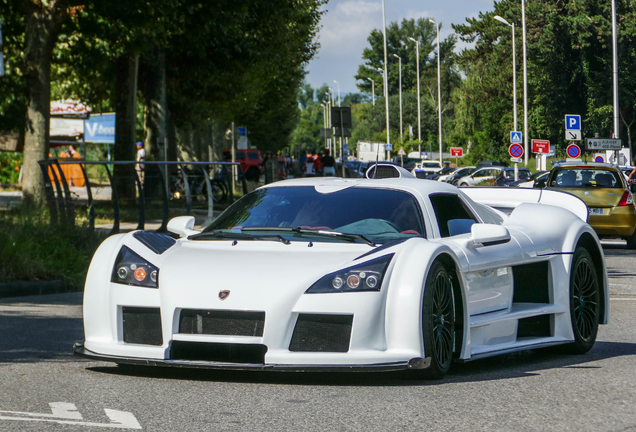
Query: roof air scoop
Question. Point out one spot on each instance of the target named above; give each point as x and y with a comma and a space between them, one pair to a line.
385, 171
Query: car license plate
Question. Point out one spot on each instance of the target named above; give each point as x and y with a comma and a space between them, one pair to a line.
595, 211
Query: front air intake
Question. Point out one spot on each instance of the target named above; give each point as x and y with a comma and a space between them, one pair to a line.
385, 171
218, 352
322, 333
222, 322
142, 326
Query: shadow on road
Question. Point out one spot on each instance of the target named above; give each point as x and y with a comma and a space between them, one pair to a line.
519, 365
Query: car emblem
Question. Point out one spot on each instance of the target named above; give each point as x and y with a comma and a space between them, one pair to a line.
224, 294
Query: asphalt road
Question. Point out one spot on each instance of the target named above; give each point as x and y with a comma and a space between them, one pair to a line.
44, 388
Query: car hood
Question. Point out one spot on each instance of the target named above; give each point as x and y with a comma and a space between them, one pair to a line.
597, 197
256, 273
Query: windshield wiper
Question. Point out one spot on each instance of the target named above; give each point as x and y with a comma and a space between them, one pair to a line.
345, 236
237, 236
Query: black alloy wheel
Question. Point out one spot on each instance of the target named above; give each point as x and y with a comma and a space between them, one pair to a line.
584, 302
438, 321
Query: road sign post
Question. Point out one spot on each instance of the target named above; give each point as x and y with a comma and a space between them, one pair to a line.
573, 127
516, 137
599, 144
573, 151
457, 152
516, 151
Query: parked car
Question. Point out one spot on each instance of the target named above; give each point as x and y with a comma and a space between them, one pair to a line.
462, 172
424, 168
605, 191
390, 273
250, 160
480, 175
537, 180
507, 176
442, 173
409, 162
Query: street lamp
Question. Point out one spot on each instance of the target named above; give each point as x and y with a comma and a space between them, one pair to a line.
525, 85
372, 90
615, 75
400, 67
329, 116
439, 92
324, 121
419, 110
514, 67
514, 80
339, 100
386, 80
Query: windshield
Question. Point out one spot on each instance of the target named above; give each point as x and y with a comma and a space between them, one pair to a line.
585, 177
379, 215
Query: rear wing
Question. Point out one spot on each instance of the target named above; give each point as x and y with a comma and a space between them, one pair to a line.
507, 199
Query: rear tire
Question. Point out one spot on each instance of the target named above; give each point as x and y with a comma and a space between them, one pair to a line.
584, 303
438, 322
463, 185
631, 241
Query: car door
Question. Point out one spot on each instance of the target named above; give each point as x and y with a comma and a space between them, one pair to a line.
479, 176
487, 270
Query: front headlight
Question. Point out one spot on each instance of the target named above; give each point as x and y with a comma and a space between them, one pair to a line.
362, 277
131, 269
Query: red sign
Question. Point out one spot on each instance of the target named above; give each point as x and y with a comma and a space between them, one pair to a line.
573, 151
540, 146
515, 150
457, 152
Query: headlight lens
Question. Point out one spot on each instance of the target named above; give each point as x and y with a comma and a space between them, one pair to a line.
131, 269
362, 277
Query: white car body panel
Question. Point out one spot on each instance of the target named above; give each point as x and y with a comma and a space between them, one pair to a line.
386, 331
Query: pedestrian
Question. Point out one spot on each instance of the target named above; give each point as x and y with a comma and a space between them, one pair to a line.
303, 164
309, 165
317, 164
141, 157
271, 167
329, 164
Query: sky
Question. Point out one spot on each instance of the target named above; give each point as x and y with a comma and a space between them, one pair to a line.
347, 24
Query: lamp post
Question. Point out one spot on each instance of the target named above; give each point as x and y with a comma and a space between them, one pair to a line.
339, 100
419, 111
400, 67
615, 75
525, 85
386, 80
324, 122
328, 116
372, 90
514, 81
439, 93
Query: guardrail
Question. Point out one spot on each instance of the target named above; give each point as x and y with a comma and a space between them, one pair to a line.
61, 204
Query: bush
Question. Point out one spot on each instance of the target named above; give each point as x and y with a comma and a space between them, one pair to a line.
10, 164
33, 249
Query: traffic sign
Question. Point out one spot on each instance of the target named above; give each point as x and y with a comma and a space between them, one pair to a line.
516, 137
389, 147
457, 152
602, 144
401, 152
599, 159
573, 135
516, 160
573, 151
540, 146
572, 122
515, 150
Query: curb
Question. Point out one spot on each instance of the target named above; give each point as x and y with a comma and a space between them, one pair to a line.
33, 288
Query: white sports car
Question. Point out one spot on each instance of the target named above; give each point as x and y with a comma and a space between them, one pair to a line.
329, 274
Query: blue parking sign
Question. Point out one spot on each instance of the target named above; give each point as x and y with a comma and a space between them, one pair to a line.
572, 122
516, 137
389, 147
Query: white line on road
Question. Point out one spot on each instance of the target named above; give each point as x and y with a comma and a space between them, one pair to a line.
624, 299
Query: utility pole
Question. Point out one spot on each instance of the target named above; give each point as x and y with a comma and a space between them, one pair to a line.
386, 81
615, 75
400, 67
525, 84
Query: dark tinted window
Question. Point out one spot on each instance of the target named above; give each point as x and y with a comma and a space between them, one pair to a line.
252, 156
453, 217
379, 214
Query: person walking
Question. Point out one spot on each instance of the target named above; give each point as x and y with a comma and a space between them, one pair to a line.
329, 164
141, 157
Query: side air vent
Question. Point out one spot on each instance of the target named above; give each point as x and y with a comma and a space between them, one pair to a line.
322, 333
142, 325
158, 243
385, 171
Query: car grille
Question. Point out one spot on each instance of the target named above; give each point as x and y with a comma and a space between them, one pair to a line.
142, 326
222, 322
322, 333
218, 352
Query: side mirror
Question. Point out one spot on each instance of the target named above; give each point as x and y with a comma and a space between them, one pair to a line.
489, 235
540, 184
182, 226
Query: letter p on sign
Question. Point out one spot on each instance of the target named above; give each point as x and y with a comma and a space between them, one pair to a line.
572, 122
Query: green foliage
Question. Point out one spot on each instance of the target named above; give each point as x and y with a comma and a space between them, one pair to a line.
10, 164
31, 249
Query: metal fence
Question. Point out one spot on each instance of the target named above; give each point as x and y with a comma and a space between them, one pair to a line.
185, 181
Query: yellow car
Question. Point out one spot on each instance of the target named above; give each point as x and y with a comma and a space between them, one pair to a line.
603, 187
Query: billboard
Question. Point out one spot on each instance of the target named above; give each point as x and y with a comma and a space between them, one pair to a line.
100, 128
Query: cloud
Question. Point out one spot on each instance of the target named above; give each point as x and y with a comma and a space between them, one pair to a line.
347, 26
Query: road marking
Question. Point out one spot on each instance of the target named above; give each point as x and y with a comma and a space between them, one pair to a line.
624, 299
66, 413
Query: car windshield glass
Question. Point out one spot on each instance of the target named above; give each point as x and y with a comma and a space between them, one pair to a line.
583, 177
379, 215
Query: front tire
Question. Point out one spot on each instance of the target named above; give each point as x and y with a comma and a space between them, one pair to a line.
438, 321
584, 302
463, 185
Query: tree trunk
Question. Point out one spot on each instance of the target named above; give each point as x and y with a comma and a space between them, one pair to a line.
153, 70
43, 23
126, 111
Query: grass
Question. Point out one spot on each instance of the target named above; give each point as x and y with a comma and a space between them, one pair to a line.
32, 249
